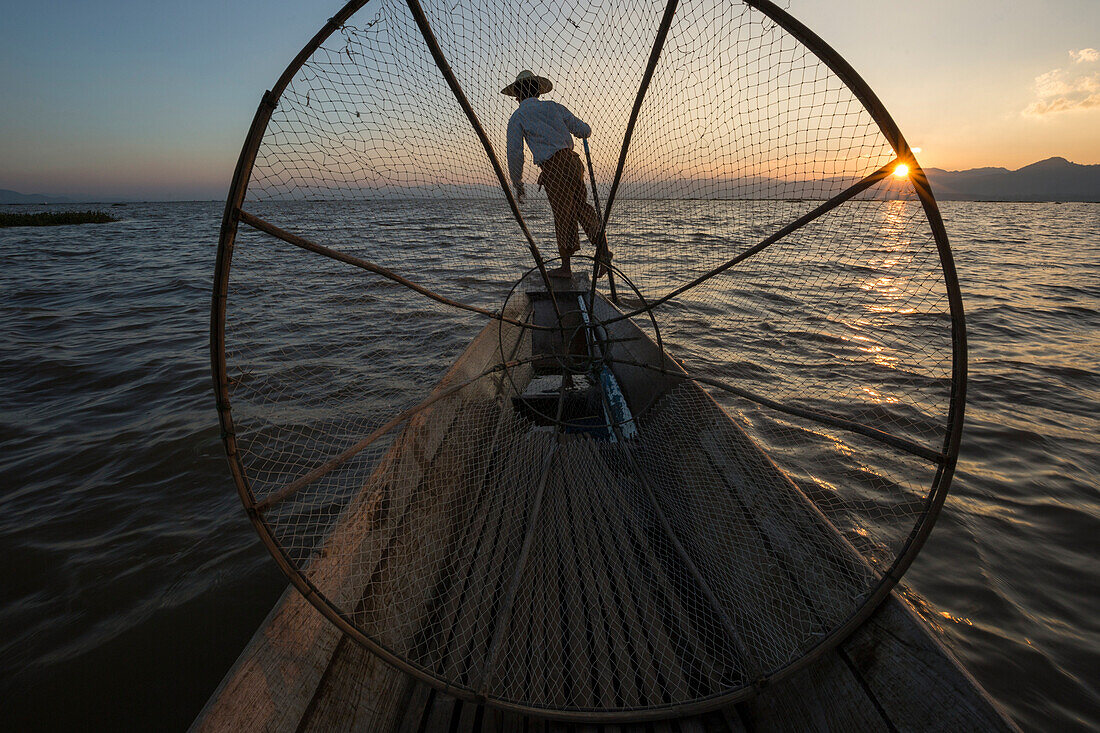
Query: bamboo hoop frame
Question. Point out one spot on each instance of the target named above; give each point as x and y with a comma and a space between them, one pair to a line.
947, 459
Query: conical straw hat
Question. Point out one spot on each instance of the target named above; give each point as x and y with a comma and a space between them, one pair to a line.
545, 84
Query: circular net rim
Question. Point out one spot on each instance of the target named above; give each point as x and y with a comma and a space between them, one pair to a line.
890, 577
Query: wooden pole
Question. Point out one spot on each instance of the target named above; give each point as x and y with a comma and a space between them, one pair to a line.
602, 250
895, 441
456, 89
798, 223
269, 228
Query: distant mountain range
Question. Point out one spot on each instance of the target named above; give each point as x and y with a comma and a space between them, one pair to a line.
14, 197
1053, 179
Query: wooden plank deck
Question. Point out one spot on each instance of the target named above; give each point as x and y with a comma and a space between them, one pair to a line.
611, 610
863, 685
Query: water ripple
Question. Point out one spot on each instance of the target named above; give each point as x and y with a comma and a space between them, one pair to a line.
131, 572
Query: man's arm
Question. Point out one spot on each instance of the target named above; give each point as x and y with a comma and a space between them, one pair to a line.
574, 125
515, 153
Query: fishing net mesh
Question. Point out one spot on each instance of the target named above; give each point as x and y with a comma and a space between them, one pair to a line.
735, 518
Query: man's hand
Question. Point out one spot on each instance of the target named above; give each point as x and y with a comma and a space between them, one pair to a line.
521, 194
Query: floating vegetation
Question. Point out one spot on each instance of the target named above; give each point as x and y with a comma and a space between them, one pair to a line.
55, 218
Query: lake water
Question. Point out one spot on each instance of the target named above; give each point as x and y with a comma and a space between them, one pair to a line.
132, 579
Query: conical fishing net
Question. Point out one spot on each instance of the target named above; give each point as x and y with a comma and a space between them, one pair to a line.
649, 495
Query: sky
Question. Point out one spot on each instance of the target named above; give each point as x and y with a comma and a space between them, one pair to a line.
120, 99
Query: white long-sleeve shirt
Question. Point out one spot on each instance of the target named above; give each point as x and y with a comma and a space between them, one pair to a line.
546, 126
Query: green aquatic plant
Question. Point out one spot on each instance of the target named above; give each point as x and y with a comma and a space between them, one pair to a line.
55, 218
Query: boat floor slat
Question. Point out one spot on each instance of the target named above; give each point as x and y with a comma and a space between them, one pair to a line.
587, 664
646, 634
609, 639
824, 696
416, 708
453, 583
688, 630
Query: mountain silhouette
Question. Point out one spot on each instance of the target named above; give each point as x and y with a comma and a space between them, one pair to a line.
14, 197
1053, 179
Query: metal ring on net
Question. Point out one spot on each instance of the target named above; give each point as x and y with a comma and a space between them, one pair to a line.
780, 474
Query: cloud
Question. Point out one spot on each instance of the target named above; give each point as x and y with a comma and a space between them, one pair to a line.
1061, 90
1051, 84
1085, 55
1062, 104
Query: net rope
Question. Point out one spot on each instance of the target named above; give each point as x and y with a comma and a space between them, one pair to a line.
460, 496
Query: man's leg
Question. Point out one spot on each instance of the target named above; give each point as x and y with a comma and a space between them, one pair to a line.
589, 220
563, 202
592, 229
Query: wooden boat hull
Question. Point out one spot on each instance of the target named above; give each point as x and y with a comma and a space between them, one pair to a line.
648, 638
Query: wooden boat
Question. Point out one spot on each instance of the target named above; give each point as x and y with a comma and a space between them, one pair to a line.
302, 672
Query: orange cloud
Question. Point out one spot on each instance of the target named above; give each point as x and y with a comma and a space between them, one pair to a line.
1062, 104
1060, 90
1085, 55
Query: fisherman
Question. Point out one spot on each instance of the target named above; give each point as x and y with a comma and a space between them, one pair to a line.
548, 128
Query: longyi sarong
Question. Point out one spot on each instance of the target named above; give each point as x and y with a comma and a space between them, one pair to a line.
563, 177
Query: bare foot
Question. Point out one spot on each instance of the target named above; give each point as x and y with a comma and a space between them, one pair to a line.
560, 272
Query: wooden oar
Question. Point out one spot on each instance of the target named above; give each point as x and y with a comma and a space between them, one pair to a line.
601, 252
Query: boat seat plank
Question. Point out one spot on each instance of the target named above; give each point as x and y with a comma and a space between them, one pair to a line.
824, 696
359, 692
914, 678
